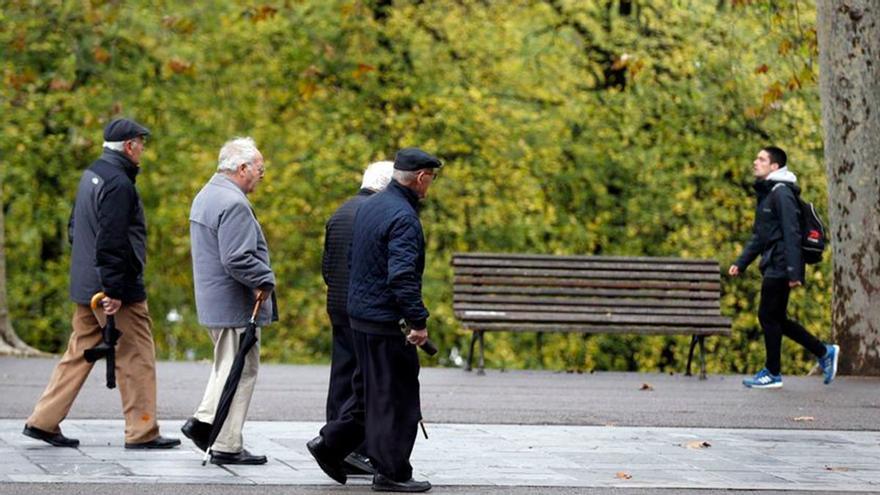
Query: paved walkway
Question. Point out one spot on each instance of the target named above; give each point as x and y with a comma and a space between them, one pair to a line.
483, 455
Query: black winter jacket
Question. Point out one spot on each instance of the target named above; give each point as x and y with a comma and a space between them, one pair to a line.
776, 234
108, 232
387, 261
334, 264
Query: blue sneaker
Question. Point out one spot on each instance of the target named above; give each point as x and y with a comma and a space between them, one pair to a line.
764, 379
828, 362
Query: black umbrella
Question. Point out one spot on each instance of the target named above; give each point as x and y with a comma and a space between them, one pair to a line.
246, 342
107, 347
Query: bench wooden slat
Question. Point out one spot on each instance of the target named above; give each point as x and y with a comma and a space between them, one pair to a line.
629, 319
554, 257
577, 291
710, 267
530, 308
586, 282
588, 273
598, 328
458, 298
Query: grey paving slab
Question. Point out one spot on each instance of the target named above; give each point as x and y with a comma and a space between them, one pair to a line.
485, 456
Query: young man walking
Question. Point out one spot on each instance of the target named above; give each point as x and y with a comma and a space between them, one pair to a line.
776, 236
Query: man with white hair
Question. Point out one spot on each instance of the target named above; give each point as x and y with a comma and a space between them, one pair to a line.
231, 270
109, 237
334, 268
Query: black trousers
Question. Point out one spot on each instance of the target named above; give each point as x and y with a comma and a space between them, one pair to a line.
772, 313
343, 365
385, 410
343, 372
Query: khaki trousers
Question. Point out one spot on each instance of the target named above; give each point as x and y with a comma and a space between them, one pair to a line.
135, 372
226, 345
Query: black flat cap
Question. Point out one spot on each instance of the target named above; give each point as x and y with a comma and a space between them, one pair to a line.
123, 130
415, 159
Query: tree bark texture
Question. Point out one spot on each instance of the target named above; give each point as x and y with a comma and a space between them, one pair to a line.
849, 61
10, 343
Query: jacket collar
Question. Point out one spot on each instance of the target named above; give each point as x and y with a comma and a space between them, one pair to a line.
122, 161
221, 180
411, 197
366, 192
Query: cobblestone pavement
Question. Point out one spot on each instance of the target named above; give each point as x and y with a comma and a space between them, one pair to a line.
482, 455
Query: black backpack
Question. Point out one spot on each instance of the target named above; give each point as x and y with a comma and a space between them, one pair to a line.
813, 237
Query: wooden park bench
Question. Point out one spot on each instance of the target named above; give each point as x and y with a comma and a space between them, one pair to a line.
588, 294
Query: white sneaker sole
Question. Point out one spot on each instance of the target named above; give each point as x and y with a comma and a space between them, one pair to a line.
769, 385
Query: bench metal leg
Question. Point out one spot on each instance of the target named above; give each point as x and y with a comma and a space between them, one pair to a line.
702, 357
470, 358
481, 370
691, 355
539, 346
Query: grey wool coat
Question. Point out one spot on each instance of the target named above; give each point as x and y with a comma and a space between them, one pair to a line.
230, 257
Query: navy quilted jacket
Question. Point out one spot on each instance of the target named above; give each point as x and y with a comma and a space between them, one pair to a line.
387, 261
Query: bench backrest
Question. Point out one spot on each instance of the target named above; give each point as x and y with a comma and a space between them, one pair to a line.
594, 294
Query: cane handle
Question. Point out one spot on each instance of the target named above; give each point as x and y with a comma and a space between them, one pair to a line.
96, 300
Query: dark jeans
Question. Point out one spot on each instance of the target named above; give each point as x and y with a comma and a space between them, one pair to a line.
385, 410
775, 323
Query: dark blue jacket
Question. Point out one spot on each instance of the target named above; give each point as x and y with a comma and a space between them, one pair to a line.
387, 261
334, 264
776, 235
108, 232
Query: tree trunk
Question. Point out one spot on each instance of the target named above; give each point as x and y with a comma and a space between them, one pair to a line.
849, 61
10, 343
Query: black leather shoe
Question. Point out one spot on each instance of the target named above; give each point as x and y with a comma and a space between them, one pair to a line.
243, 457
159, 442
198, 432
55, 439
331, 467
385, 484
358, 464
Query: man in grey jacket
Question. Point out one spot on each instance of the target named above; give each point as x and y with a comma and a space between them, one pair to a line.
230, 270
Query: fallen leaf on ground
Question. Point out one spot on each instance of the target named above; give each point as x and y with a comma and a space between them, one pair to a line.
697, 444
839, 469
646, 386
804, 418
624, 475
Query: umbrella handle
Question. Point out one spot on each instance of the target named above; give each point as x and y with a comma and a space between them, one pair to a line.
257, 306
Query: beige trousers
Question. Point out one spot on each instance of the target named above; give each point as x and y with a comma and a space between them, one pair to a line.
226, 344
135, 372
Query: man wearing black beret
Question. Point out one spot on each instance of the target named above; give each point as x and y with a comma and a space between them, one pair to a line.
109, 238
385, 290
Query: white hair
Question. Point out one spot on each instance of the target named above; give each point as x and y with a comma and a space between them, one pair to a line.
115, 145
405, 176
235, 152
377, 175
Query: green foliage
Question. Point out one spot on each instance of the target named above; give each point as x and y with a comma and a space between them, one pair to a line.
567, 127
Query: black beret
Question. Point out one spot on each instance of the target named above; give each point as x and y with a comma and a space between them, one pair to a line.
123, 130
414, 159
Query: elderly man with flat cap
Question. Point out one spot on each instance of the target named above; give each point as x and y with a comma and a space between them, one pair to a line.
109, 238
385, 290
